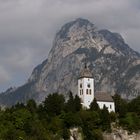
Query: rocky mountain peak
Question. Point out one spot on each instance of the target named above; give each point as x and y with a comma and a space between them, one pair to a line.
74, 35
114, 64
81, 33
118, 44
77, 25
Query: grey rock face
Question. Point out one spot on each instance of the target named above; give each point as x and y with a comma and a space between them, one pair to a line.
121, 134
114, 65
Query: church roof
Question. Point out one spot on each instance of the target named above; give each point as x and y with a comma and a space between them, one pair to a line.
103, 96
86, 73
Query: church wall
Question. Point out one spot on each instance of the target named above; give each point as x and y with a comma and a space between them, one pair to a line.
88, 97
88, 91
86, 94
80, 90
109, 105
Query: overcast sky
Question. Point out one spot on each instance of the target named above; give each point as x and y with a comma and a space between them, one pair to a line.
27, 29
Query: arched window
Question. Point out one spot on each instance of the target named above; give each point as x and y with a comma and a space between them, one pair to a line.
80, 85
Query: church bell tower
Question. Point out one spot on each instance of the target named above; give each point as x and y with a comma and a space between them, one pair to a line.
86, 87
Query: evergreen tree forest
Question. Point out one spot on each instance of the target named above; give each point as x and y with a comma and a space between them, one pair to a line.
53, 119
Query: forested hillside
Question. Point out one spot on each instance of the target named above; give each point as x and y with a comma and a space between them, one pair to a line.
53, 119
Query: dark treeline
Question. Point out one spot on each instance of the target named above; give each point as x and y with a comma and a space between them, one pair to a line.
53, 119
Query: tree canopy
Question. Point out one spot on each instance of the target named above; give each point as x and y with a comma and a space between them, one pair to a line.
53, 119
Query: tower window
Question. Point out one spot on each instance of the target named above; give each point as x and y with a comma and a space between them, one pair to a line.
110, 106
88, 85
90, 91
82, 91
80, 85
87, 91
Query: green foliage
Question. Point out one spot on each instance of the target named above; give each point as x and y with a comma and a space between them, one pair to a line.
129, 112
53, 119
113, 116
120, 105
97, 134
55, 124
69, 107
105, 119
89, 118
31, 106
90, 123
66, 134
131, 121
71, 120
54, 104
19, 106
77, 103
94, 106
134, 105
73, 104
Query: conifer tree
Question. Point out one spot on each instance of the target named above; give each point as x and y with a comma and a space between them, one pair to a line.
120, 105
77, 103
70, 107
94, 106
31, 106
54, 104
105, 119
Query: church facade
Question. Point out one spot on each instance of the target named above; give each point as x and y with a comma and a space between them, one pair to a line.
86, 92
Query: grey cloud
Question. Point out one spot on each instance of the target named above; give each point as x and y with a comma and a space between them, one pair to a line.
27, 29
4, 76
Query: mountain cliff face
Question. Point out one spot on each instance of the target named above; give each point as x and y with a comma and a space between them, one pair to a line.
114, 65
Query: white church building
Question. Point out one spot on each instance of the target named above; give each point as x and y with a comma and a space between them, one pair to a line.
86, 92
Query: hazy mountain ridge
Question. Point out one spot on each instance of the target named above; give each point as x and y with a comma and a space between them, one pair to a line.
115, 66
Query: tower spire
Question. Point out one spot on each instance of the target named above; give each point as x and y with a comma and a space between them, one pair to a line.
86, 86
85, 65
